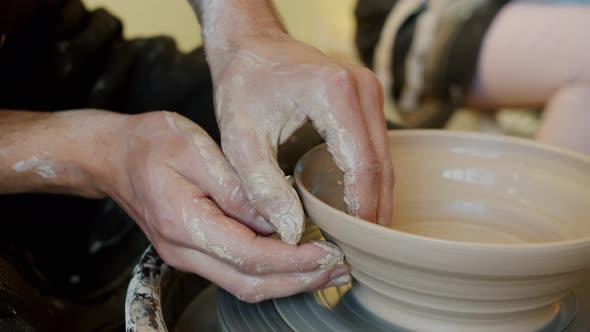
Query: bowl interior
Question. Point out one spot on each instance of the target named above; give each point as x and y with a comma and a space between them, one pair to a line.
473, 188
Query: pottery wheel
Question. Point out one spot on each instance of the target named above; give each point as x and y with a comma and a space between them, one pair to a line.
327, 310
332, 309
336, 309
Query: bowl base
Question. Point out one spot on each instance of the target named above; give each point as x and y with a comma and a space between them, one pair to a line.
338, 310
553, 317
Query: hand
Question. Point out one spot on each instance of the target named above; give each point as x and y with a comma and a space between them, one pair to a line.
268, 88
173, 180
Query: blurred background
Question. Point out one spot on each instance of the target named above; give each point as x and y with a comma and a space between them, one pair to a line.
328, 25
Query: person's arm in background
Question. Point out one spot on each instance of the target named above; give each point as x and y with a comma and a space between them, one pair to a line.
173, 180
435, 56
266, 86
424, 52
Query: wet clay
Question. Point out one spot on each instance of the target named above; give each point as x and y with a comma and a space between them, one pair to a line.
489, 233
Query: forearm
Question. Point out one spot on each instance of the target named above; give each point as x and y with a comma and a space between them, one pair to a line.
53, 152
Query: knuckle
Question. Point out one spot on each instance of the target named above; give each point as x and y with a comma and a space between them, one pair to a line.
342, 81
257, 185
369, 82
250, 291
371, 167
387, 168
369, 76
387, 173
233, 193
364, 72
250, 267
270, 192
374, 85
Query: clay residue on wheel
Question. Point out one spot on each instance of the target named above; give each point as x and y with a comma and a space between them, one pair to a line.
142, 307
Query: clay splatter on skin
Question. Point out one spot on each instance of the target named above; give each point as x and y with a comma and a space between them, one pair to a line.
209, 21
333, 258
345, 151
258, 186
215, 165
342, 280
272, 197
202, 141
44, 168
305, 278
197, 236
255, 284
171, 122
263, 188
261, 268
238, 80
195, 233
222, 251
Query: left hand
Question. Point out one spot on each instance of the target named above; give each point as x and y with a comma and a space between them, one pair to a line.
266, 89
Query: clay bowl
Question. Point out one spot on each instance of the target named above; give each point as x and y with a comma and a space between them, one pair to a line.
490, 233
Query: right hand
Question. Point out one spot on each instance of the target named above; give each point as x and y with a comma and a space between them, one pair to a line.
173, 180
265, 90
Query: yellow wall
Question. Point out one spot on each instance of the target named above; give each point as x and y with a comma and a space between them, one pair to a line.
326, 24
153, 17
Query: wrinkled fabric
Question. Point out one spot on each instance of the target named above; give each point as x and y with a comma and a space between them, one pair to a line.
16, 13
448, 65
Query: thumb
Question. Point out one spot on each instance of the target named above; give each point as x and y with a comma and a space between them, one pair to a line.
272, 195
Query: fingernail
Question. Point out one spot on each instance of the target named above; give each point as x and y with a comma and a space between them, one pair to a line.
334, 256
340, 281
339, 272
264, 225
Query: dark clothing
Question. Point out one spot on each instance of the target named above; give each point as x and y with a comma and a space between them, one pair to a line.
70, 58
74, 255
370, 18
16, 13
449, 65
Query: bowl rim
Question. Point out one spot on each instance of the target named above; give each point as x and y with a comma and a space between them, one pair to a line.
477, 246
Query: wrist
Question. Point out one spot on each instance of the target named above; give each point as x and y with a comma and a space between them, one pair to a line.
101, 162
92, 155
61, 152
89, 152
219, 59
229, 26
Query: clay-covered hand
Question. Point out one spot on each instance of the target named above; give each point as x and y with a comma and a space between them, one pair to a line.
269, 87
174, 181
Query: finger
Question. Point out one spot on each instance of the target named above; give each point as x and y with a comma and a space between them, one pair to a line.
221, 182
192, 220
341, 123
256, 288
253, 156
224, 239
370, 95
